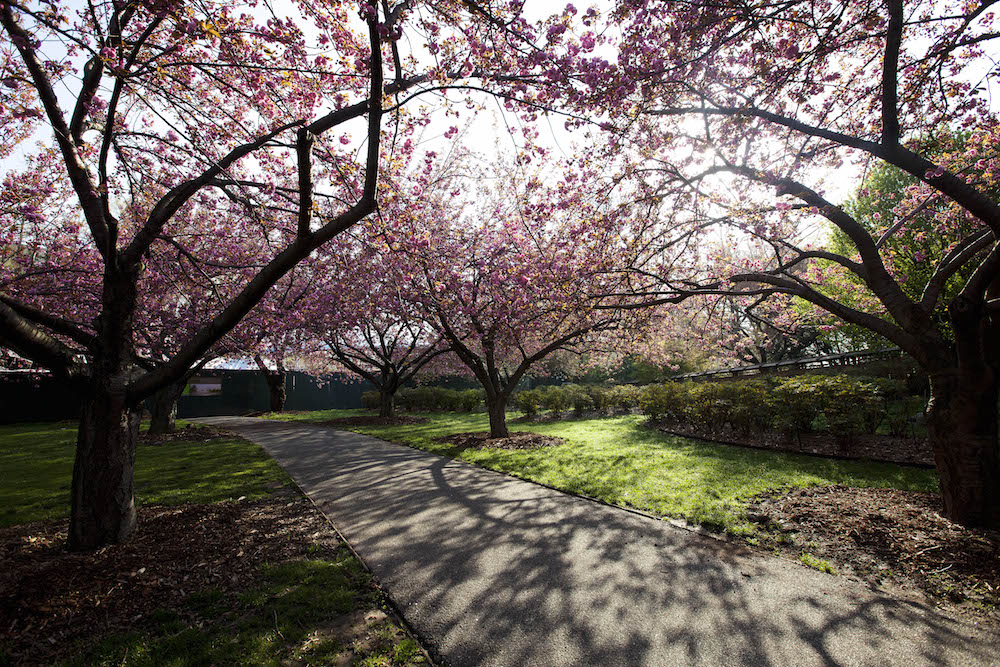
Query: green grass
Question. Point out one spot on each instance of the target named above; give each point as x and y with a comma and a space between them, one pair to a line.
289, 617
816, 563
36, 466
619, 461
301, 612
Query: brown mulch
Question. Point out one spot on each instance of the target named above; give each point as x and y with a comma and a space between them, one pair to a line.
909, 451
375, 420
52, 597
885, 537
516, 440
190, 434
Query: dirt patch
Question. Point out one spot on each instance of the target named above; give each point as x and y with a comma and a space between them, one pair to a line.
911, 451
886, 537
375, 420
517, 440
188, 434
52, 598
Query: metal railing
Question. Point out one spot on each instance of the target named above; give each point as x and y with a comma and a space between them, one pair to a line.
809, 363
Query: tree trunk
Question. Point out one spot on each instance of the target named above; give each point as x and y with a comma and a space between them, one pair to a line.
276, 389
962, 425
163, 409
102, 504
387, 403
497, 407
102, 507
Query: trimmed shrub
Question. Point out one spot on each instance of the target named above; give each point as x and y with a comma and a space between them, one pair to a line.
371, 400
600, 397
555, 399
470, 399
626, 397
439, 399
663, 401
528, 401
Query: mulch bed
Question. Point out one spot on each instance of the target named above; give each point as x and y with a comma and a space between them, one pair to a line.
52, 597
908, 451
516, 440
189, 434
374, 420
888, 537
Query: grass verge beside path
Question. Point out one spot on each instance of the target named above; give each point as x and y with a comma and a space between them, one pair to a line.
229, 565
619, 461
37, 465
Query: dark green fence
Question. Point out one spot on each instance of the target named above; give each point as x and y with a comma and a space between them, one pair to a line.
41, 398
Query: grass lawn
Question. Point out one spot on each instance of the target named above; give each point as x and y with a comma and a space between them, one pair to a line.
619, 461
36, 461
314, 609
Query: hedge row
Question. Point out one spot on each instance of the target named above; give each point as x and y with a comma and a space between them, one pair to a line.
848, 405
580, 399
430, 399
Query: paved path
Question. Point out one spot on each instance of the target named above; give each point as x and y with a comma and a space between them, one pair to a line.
491, 570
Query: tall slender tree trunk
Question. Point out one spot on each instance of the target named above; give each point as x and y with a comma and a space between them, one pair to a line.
496, 405
163, 408
276, 389
102, 506
275, 384
962, 425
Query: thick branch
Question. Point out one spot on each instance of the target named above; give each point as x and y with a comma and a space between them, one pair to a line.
52, 323
32, 343
890, 74
83, 185
304, 147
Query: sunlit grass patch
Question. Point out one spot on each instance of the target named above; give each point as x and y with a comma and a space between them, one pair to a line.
620, 461
36, 461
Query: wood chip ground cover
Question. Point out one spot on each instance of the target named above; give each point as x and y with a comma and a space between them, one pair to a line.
516, 440
889, 538
189, 565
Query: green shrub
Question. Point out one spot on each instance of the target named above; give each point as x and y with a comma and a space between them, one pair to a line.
577, 397
663, 402
371, 400
625, 397
528, 401
439, 399
797, 402
600, 397
555, 399
470, 399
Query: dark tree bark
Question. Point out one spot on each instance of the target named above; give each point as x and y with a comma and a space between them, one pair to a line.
387, 402
275, 379
102, 507
496, 405
963, 417
163, 408
962, 424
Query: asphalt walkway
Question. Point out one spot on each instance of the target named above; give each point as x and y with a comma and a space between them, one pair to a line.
492, 570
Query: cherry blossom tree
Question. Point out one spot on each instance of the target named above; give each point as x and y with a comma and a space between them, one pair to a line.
358, 315
736, 109
235, 138
514, 271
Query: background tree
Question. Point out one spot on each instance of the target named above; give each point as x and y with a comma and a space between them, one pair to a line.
742, 105
512, 276
357, 316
